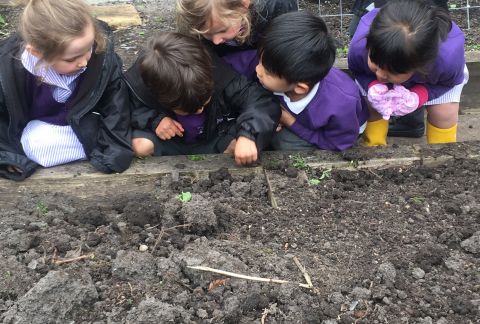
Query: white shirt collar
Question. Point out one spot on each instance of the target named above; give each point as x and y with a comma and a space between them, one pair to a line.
298, 106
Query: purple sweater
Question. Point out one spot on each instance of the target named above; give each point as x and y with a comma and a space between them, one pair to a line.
43, 106
443, 75
332, 119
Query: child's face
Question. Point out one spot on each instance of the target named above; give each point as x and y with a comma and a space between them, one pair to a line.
385, 76
219, 32
272, 82
77, 54
197, 112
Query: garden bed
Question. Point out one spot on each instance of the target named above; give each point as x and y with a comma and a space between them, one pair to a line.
388, 235
384, 238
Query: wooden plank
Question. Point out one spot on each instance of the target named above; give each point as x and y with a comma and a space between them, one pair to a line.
118, 15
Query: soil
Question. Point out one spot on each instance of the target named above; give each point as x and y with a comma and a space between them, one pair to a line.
393, 245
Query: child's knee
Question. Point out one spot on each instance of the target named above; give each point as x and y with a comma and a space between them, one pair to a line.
142, 146
443, 115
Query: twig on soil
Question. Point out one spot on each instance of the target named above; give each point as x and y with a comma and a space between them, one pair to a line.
236, 275
163, 230
271, 310
58, 261
184, 285
304, 272
379, 177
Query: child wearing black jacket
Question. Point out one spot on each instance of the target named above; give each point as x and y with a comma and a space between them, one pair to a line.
186, 100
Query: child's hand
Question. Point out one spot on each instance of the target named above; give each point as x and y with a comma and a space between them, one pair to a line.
245, 151
404, 100
168, 128
13, 169
378, 96
287, 119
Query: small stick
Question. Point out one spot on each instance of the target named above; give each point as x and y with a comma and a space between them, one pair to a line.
163, 230
236, 275
62, 261
304, 272
379, 177
266, 311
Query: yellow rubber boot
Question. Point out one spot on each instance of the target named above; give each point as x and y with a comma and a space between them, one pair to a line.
437, 135
375, 133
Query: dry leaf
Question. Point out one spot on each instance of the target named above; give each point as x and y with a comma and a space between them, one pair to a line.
216, 283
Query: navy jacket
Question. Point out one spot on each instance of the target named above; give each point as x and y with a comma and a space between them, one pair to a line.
99, 112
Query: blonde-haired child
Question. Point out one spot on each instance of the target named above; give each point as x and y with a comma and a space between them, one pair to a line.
62, 97
230, 26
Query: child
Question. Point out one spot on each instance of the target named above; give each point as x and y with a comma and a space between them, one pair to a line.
321, 106
188, 101
406, 55
62, 98
230, 26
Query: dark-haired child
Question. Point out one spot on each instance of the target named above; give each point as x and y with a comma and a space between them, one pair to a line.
321, 105
405, 55
186, 100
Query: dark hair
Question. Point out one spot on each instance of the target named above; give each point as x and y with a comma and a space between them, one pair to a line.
177, 69
406, 34
298, 48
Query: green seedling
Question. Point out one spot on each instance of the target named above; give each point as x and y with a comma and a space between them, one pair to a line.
3, 21
418, 200
342, 51
196, 157
314, 182
325, 175
42, 208
453, 6
354, 163
299, 162
185, 197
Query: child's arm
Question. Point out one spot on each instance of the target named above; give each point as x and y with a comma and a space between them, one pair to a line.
258, 110
113, 152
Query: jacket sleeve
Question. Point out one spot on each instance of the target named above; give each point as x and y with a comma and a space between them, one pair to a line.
143, 116
113, 152
258, 110
338, 132
9, 155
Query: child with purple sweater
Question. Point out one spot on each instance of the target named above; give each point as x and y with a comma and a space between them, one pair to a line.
403, 56
321, 106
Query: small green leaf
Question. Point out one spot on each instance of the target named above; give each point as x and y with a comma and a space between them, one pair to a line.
2, 20
453, 6
326, 174
185, 196
314, 182
418, 200
196, 157
42, 208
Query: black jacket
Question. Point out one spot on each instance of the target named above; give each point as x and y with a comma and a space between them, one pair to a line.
262, 12
255, 110
99, 113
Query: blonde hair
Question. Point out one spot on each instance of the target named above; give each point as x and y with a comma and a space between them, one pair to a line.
50, 25
193, 16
